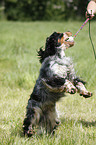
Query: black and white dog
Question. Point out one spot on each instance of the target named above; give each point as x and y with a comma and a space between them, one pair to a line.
57, 77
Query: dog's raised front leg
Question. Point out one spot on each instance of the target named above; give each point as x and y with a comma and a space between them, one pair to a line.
67, 87
82, 90
55, 89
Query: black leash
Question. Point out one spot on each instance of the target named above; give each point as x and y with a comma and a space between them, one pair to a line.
91, 40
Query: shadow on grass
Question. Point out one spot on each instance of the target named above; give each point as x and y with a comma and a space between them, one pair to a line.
87, 123
83, 122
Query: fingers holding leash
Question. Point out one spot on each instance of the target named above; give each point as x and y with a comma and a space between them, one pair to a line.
89, 14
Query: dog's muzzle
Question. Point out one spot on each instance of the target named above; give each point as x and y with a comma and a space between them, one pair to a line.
69, 41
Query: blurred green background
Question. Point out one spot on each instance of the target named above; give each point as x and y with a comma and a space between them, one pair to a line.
27, 10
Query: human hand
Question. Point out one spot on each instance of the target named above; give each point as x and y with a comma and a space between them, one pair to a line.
89, 14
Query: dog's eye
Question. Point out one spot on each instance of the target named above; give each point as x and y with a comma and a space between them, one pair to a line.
67, 39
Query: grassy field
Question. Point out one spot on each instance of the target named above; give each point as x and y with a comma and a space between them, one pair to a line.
19, 69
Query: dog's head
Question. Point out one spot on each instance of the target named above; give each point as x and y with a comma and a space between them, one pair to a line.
56, 43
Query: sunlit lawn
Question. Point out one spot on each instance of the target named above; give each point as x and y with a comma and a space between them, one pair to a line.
19, 69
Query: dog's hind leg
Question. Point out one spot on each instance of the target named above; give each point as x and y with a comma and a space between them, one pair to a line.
51, 120
31, 120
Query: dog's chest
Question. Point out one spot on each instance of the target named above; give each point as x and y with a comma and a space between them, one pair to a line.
61, 67
57, 67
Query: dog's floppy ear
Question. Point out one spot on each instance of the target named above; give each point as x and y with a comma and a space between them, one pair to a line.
49, 47
51, 40
41, 54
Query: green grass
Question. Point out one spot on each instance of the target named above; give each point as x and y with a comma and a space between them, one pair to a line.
19, 69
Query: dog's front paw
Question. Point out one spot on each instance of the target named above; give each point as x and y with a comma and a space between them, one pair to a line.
83, 91
70, 88
86, 94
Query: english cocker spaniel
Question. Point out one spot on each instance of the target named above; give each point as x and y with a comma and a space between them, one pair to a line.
57, 77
